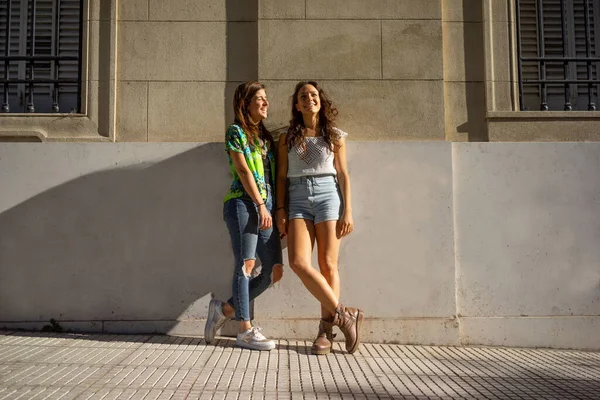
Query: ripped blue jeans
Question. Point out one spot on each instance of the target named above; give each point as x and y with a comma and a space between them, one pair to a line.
248, 241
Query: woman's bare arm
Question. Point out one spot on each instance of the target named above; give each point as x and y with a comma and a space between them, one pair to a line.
346, 222
247, 179
281, 185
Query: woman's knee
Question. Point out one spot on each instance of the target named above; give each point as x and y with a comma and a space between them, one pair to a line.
247, 268
299, 265
328, 266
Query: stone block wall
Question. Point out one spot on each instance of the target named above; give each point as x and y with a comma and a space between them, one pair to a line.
157, 71
464, 71
381, 61
179, 62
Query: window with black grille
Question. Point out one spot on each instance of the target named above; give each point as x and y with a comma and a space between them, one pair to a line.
558, 54
40, 56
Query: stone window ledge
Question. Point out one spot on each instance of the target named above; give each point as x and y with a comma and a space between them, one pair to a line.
540, 126
50, 128
543, 115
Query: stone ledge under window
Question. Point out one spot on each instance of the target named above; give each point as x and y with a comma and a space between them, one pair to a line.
544, 126
49, 128
545, 115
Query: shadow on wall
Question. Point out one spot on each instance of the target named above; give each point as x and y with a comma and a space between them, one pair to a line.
242, 49
474, 53
140, 243
105, 34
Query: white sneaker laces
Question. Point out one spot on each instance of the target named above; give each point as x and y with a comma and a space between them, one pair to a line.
256, 333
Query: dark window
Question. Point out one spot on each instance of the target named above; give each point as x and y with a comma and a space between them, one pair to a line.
40, 56
559, 54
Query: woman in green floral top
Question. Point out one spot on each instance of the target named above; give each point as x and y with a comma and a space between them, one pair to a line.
247, 211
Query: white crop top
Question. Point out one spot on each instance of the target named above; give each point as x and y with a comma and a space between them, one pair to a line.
314, 159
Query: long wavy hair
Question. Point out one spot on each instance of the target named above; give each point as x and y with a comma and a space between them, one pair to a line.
327, 116
241, 100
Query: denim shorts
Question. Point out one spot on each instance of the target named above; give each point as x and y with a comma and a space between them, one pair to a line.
316, 198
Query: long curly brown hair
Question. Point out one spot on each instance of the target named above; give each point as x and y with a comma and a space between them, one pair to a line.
241, 100
327, 115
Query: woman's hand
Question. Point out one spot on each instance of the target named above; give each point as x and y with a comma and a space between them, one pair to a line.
345, 224
281, 220
266, 221
277, 273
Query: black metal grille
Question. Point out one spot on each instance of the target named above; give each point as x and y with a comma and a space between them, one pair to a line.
40, 55
558, 54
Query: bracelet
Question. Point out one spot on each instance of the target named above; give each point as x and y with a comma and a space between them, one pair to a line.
261, 204
279, 208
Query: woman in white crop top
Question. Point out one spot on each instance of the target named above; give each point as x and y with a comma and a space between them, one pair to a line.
311, 165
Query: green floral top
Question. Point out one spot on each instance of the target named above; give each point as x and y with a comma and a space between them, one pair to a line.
236, 140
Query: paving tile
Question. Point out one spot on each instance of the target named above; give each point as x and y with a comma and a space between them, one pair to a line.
101, 366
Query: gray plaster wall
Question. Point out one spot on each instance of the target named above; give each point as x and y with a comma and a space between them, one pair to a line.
98, 232
527, 229
458, 243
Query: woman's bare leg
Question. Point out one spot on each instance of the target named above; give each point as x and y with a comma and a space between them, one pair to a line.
328, 248
301, 237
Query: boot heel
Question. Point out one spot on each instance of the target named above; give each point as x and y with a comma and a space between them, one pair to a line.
359, 320
322, 344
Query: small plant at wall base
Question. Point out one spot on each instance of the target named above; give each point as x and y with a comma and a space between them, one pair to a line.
53, 327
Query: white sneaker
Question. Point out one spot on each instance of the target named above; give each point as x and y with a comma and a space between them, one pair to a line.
215, 320
254, 340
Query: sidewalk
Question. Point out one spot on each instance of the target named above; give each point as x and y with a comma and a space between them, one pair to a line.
94, 366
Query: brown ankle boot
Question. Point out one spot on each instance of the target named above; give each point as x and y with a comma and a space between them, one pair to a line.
349, 319
322, 344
